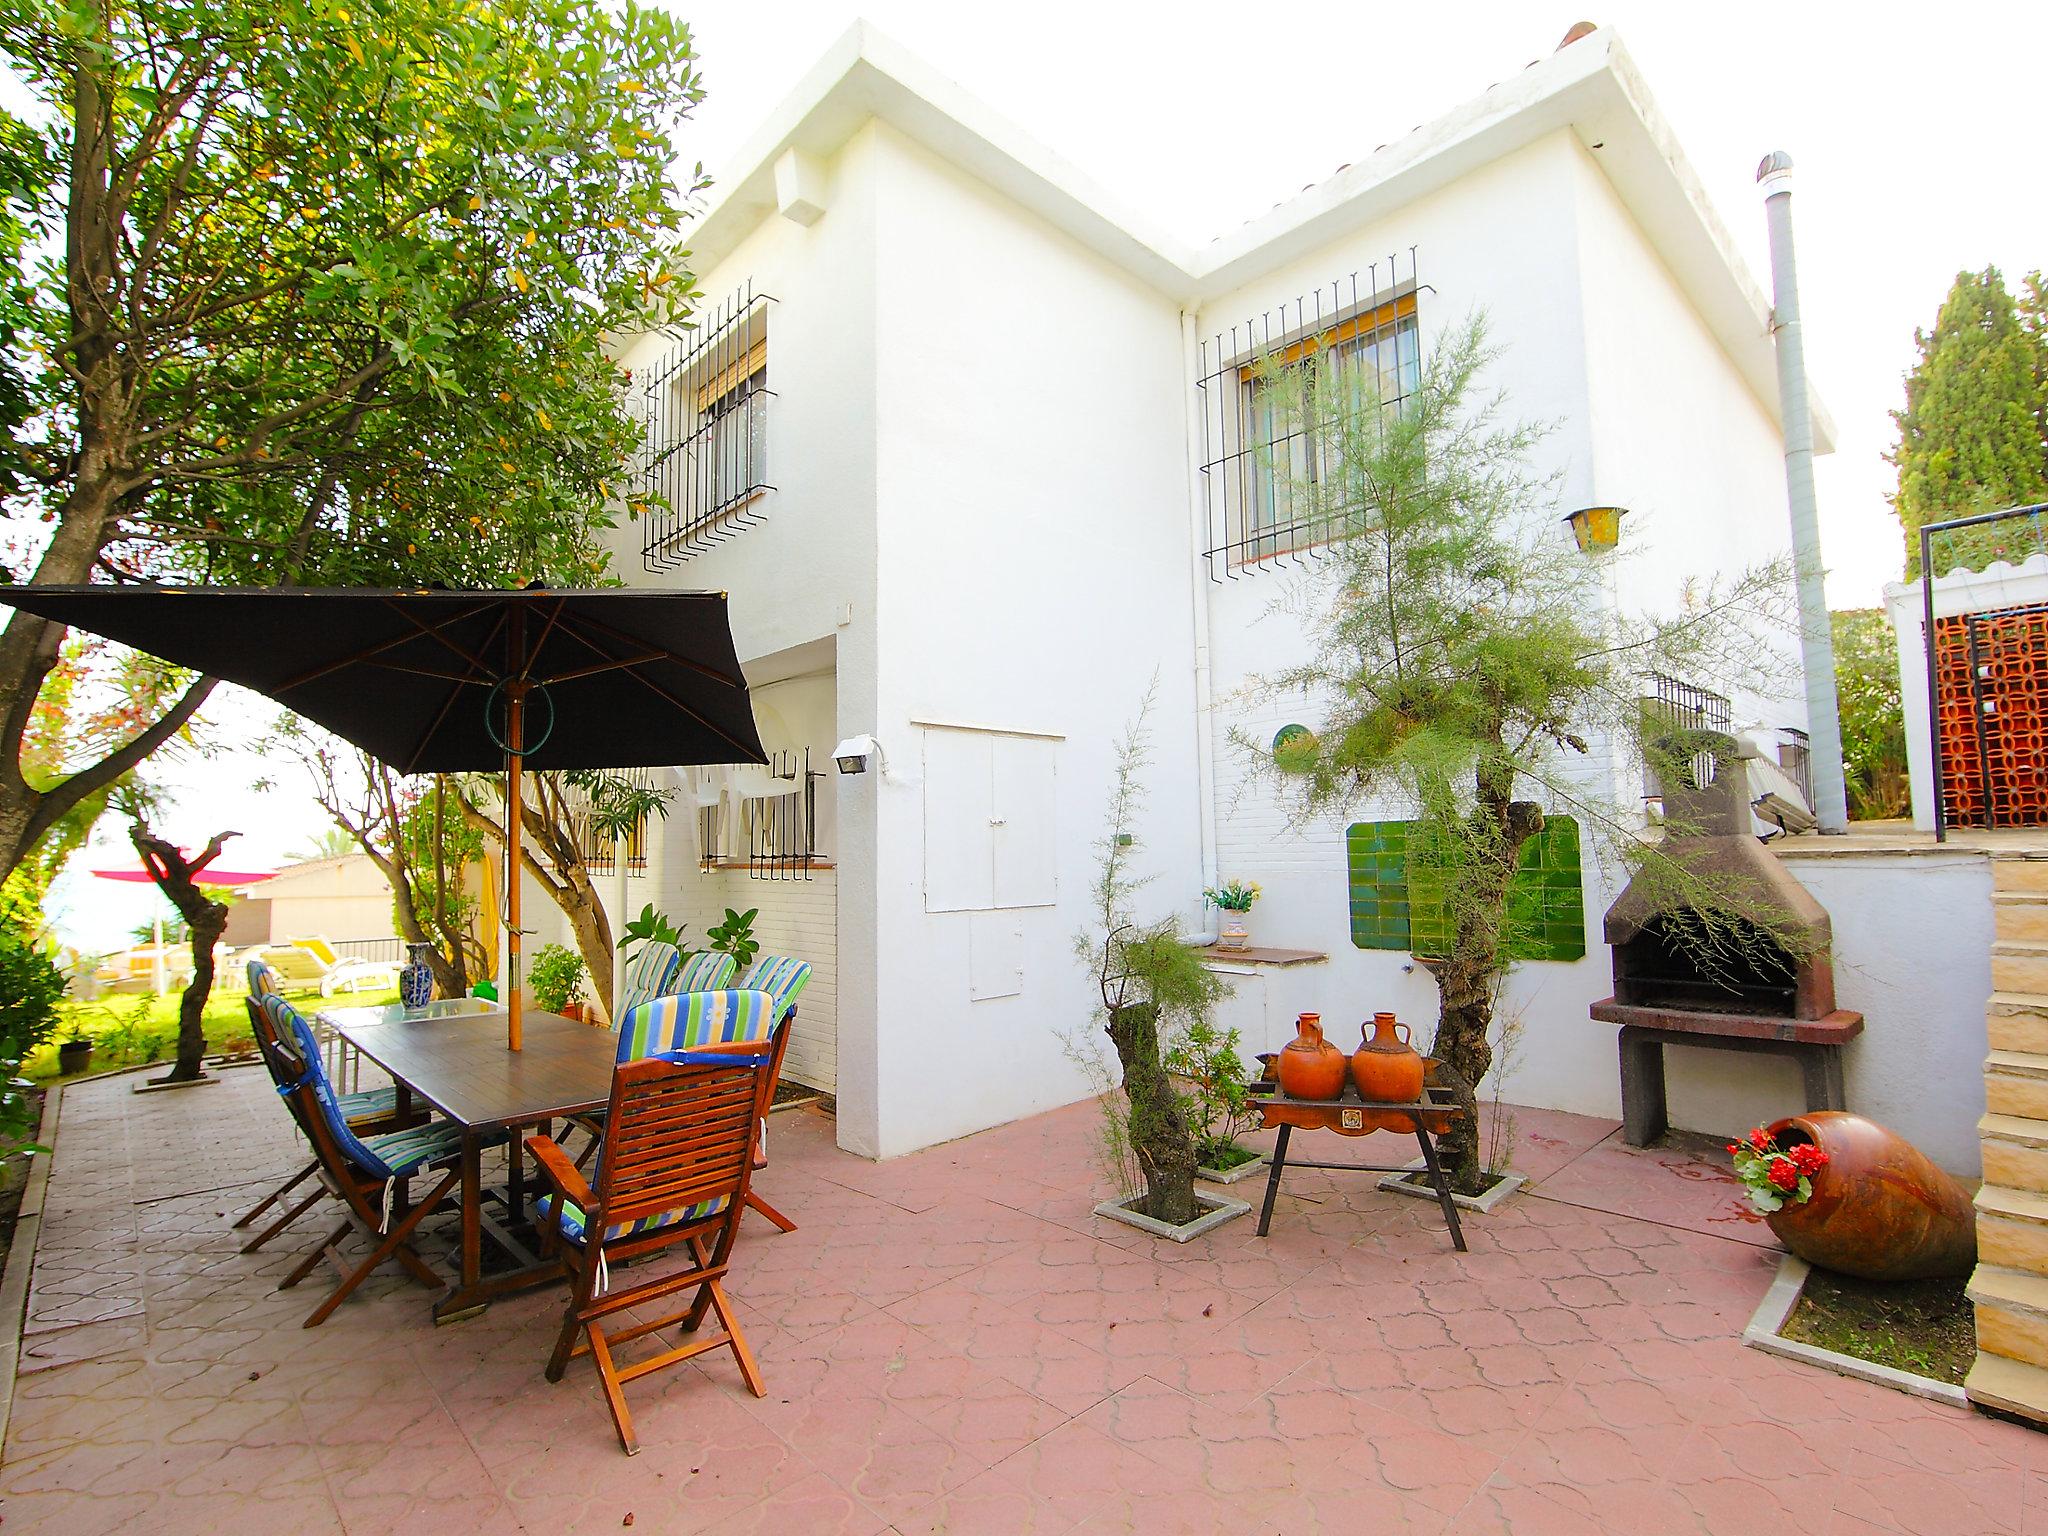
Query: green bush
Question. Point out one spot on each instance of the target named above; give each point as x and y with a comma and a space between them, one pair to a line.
556, 977
1873, 719
30, 986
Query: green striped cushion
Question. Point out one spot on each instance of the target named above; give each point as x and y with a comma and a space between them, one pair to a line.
649, 974
572, 1218
705, 971
784, 976
695, 1018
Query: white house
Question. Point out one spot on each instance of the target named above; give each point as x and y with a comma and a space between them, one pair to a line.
966, 446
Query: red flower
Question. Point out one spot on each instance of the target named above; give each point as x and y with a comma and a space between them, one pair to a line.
1732, 1147
1783, 1174
1759, 1138
1808, 1158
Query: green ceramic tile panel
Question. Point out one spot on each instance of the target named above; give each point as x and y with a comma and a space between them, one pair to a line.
1391, 910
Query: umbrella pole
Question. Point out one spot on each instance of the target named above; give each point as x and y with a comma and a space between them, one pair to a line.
515, 721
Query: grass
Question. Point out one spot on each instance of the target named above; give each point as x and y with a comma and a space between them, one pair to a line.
1224, 1155
132, 1029
1924, 1326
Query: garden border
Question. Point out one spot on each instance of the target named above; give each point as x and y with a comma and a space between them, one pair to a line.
21, 1256
1771, 1313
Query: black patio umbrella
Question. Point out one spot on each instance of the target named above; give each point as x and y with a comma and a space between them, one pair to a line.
434, 681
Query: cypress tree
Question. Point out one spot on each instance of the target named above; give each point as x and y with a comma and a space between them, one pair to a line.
1970, 437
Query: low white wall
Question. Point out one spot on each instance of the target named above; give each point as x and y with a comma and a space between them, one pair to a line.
1912, 955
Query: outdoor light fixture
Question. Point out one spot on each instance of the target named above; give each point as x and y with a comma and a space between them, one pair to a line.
853, 753
1598, 529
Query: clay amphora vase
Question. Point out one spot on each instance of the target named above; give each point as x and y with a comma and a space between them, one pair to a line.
1311, 1067
1880, 1210
1385, 1066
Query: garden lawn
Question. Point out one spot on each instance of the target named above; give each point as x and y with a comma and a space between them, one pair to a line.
133, 1029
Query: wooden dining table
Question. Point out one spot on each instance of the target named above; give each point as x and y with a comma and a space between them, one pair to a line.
452, 1055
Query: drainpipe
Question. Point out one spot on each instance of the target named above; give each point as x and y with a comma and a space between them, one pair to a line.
1198, 578
1816, 638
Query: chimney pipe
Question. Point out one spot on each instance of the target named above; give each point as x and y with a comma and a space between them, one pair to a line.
1816, 638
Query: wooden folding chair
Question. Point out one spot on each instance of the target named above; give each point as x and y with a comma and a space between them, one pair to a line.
369, 1175
673, 1170
782, 977
368, 1113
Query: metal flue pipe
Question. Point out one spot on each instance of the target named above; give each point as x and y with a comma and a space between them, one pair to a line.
1816, 638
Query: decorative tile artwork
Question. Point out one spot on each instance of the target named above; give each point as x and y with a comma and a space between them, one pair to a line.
1390, 909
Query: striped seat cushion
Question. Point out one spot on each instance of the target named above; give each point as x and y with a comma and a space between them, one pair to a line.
370, 1104
705, 971
695, 1018
572, 1218
782, 976
406, 1152
650, 973
262, 979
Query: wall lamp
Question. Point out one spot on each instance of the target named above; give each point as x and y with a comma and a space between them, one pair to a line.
1597, 529
853, 753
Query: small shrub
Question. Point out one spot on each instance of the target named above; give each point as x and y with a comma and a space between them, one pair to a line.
735, 936
30, 985
556, 977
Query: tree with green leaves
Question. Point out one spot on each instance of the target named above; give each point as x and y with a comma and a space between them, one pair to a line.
564, 816
1873, 715
1971, 436
394, 822
1152, 983
317, 291
1467, 665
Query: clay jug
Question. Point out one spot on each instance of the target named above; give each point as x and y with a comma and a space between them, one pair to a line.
1311, 1067
1881, 1209
1385, 1066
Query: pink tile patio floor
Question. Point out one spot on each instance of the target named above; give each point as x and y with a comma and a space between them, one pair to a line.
953, 1343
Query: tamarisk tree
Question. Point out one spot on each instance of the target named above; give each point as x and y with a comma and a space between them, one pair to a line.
1464, 657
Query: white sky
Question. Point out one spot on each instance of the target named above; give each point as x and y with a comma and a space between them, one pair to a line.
1915, 134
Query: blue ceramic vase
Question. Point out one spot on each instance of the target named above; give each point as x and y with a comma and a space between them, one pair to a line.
416, 978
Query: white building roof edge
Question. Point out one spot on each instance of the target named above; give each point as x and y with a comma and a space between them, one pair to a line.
1591, 87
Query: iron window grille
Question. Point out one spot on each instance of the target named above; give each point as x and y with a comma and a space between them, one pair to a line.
1678, 705
602, 849
701, 475
782, 830
1268, 463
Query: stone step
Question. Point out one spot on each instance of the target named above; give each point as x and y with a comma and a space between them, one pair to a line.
2012, 1313
2021, 915
2019, 966
2015, 1151
2017, 872
2017, 1028
2016, 1083
2012, 1228
2008, 1386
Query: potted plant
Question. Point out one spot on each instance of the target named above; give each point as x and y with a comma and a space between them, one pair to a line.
735, 936
1147, 975
1218, 1100
556, 976
74, 1056
1234, 900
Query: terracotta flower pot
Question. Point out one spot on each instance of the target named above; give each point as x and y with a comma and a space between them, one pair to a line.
1385, 1066
1880, 1210
1311, 1067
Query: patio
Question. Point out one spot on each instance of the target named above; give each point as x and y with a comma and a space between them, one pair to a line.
953, 1343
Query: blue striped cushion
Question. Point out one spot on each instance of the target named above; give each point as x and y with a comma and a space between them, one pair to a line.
405, 1152
695, 1018
649, 974
572, 1218
262, 979
784, 976
705, 971
370, 1104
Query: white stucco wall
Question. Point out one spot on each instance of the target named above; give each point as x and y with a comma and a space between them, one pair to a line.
1033, 576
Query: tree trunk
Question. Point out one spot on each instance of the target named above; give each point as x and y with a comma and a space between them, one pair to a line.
1468, 978
177, 877
1162, 1140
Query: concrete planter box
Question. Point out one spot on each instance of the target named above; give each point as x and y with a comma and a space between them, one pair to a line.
1231, 1176
1221, 1208
1397, 1184
1776, 1307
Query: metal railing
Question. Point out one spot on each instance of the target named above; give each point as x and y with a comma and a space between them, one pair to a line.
392, 948
1927, 640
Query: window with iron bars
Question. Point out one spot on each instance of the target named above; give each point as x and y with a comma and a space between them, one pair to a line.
1268, 464
602, 850
702, 472
1673, 704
